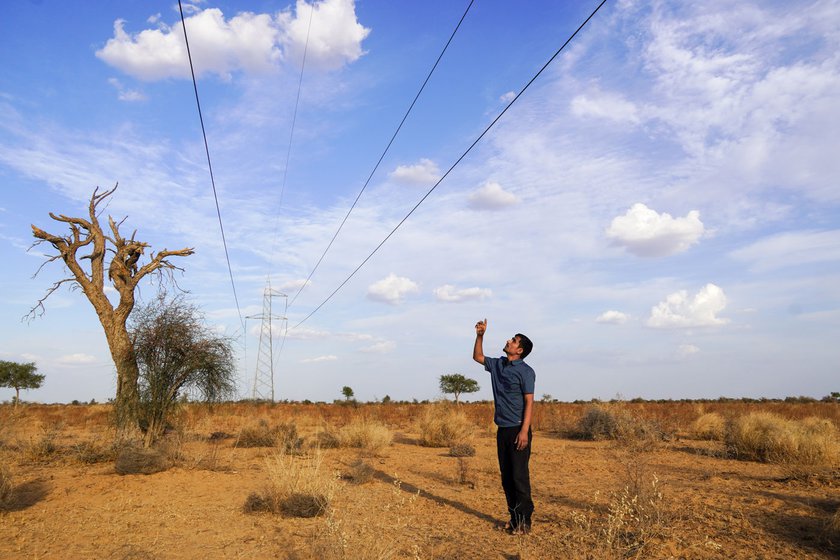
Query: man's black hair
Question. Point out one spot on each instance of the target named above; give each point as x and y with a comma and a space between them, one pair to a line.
526, 345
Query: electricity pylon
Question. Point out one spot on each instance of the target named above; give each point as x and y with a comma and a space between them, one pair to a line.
264, 374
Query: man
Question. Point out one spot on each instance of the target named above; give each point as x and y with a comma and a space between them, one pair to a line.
513, 397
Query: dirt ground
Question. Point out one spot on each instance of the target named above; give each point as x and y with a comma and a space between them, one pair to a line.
418, 502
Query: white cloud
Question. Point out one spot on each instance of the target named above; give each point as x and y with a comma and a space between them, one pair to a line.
680, 311
392, 289
491, 196
606, 106
382, 347
791, 249
318, 359
686, 350
248, 42
77, 359
125, 94
450, 294
334, 37
507, 97
612, 318
423, 173
646, 233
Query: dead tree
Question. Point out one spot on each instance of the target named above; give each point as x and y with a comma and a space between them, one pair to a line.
120, 256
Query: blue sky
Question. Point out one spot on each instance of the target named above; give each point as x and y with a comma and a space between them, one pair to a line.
658, 211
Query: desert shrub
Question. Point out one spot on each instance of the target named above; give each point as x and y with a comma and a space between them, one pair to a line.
767, 437
5, 486
597, 423
135, 460
261, 434
89, 452
444, 426
44, 448
636, 515
627, 429
462, 450
711, 426
297, 487
366, 434
360, 472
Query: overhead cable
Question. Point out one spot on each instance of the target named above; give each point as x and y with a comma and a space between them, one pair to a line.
388, 147
463, 155
210, 165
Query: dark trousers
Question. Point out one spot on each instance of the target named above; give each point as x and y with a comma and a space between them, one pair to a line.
516, 479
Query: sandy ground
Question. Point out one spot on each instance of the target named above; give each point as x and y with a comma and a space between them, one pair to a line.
418, 503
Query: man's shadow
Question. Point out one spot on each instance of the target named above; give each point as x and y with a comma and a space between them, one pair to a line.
412, 489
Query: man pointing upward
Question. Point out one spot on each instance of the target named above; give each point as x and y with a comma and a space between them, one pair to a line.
513, 398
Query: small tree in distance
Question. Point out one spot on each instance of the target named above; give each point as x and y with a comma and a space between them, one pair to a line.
19, 376
456, 384
347, 392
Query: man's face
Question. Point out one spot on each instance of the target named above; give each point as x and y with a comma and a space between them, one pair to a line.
512, 347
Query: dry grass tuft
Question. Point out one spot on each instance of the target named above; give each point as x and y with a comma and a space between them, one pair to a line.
44, 448
360, 472
261, 434
5, 486
833, 525
368, 435
767, 437
297, 487
709, 426
462, 450
91, 452
134, 460
444, 425
627, 429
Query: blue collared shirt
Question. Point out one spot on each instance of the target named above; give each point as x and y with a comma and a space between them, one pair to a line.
511, 381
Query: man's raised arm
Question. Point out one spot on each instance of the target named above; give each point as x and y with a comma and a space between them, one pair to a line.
478, 349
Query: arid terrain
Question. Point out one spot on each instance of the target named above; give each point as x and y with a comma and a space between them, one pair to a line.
675, 496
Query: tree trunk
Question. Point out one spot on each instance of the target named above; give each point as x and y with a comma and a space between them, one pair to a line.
122, 352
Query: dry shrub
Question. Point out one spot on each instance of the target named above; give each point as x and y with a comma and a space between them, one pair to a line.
444, 425
44, 448
710, 426
5, 486
359, 473
370, 436
636, 516
91, 452
627, 429
767, 437
833, 525
463, 473
261, 434
297, 487
135, 460
462, 450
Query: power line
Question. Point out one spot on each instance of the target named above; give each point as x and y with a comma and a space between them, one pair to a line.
448, 171
209, 164
388, 147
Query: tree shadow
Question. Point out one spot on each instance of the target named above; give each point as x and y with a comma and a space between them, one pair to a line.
412, 489
26, 495
803, 531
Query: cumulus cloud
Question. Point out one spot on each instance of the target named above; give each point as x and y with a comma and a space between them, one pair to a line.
327, 358
646, 233
605, 106
612, 318
392, 289
423, 173
680, 311
450, 294
788, 249
247, 42
491, 196
76, 359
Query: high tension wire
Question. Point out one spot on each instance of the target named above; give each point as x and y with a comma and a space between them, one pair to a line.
448, 171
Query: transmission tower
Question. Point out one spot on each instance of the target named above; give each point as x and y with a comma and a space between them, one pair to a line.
264, 374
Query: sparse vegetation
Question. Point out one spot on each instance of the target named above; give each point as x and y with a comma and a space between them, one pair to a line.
297, 487
366, 434
710, 426
444, 425
136, 460
763, 436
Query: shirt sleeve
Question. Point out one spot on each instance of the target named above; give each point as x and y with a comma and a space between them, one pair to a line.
529, 379
490, 363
